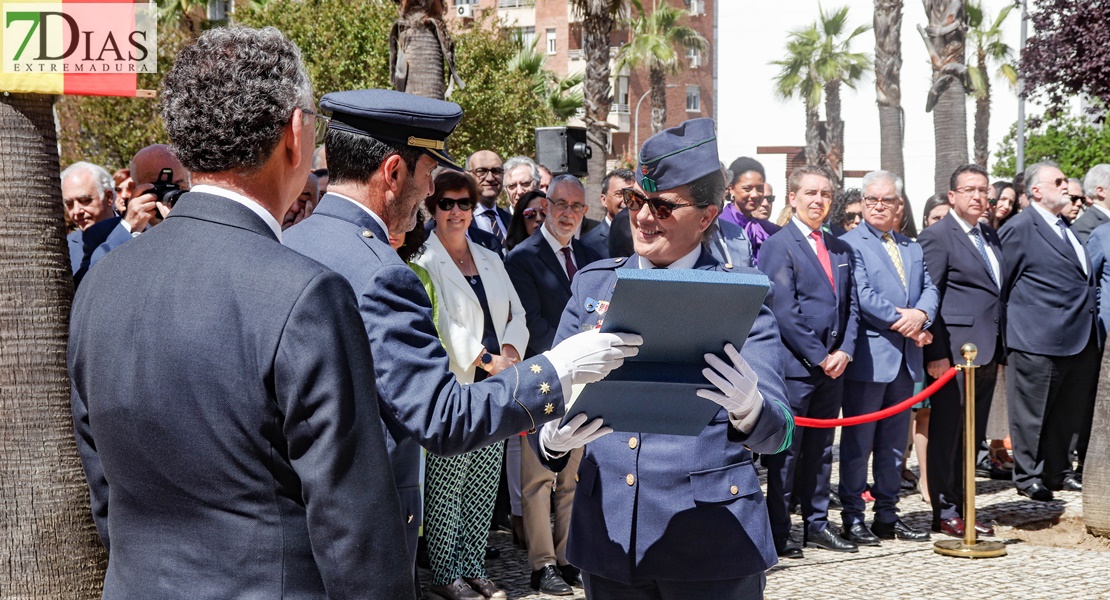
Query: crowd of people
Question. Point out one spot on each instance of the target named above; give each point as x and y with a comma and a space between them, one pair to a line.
247, 415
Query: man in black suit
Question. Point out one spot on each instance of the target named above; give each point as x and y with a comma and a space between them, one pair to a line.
87, 193
964, 258
485, 166
597, 239
541, 269
1053, 358
229, 433
1096, 185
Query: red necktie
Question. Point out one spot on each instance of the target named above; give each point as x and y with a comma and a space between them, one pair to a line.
571, 269
823, 256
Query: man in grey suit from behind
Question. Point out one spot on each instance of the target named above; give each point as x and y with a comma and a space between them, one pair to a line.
229, 433
1096, 186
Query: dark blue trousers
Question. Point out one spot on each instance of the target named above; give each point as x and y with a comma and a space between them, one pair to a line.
886, 439
745, 588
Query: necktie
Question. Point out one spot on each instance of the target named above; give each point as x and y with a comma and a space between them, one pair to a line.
823, 256
494, 228
892, 250
975, 233
1067, 242
571, 269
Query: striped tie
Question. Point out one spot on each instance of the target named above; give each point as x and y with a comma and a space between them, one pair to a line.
495, 229
895, 257
975, 233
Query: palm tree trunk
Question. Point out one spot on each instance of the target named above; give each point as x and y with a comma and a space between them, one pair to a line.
658, 100
1096, 472
982, 112
950, 133
597, 26
888, 84
52, 548
834, 133
944, 39
814, 156
423, 57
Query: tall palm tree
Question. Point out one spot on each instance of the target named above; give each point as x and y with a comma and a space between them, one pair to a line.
51, 546
599, 17
836, 64
798, 76
563, 95
944, 38
888, 84
419, 47
658, 42
1096, 471
986, 39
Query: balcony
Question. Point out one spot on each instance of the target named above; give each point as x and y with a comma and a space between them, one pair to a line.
576, 54
515, 3
620, 109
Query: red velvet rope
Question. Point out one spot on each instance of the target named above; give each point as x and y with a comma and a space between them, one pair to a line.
882, 414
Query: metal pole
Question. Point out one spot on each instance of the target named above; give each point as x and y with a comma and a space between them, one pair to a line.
636, 133
968, 547
1020, 164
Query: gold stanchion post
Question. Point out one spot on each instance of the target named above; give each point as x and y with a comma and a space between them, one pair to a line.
969, 547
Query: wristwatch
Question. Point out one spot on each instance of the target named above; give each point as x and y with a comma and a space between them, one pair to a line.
486, 360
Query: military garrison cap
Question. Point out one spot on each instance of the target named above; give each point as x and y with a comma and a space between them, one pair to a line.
396, 117
677, 156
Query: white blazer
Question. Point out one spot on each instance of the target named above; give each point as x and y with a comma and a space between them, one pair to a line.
460, 314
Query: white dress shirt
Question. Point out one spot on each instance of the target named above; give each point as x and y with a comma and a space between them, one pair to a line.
686, 262
1051, 219
993, 260
483, 222
557, 248
255, 207
807, 231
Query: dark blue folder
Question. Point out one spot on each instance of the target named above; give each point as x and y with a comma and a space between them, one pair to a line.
682, 314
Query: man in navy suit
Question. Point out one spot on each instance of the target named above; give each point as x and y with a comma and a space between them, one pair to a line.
542, 268
486, 167
816, 308
964, 259
229, 432
668, 516
1096, 186
382, 148
897, 303
87, 193
597, 239
1053, 360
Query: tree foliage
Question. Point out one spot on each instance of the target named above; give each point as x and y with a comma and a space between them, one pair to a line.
1073, 143
1068, 53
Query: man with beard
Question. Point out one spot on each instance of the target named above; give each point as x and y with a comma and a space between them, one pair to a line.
382, 148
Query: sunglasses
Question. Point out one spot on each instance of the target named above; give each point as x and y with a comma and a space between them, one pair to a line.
659, 207
531, 214
446, 204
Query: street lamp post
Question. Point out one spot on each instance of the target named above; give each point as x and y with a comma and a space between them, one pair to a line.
636, 134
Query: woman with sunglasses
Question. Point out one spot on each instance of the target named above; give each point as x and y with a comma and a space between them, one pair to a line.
528, 215
846, 212
482, 327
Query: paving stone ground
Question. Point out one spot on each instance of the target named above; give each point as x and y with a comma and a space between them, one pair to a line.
899, 569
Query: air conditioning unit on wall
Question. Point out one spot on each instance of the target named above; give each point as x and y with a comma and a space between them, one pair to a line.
464, 11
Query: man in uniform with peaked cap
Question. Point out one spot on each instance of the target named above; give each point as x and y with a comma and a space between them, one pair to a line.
382, 147
670, 516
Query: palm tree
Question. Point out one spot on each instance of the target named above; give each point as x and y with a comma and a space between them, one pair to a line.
888, 84
1096, 471
989, 47
598, 20
51, 546
559, 93
944, 38
799, 77
657, 41
419, 46
837, 64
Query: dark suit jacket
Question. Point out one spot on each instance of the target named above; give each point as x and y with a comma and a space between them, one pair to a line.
588, 225
1050, 302
971, 307
1087, 222
695, 511
234, 451
597, 239
421, 402
89, 241
814, 319
620, 236
506, 218
538, 276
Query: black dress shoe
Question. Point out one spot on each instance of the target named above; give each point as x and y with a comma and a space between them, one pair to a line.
1071, 484
571, 574
860, 534
548, 581
830, 541
1036, 492
989, 469
789, 549
898, 529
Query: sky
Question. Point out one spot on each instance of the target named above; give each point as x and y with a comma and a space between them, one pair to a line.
752, 34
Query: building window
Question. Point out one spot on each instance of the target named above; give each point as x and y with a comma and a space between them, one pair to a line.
693, 56
527, 37
551, 41
622, 90
693, 98
696, 7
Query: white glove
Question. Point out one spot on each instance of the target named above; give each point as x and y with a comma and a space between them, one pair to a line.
738, 388
575, 434
588, 357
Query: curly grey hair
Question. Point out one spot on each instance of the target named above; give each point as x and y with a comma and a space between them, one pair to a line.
229, 96
101, 176
533, 168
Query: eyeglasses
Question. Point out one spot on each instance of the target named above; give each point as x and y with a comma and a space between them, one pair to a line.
446, 204
562, 205
770, 199
481, 172
1076, 199
659, 207
523, 185
971, 191
889, 201
320, 124
531, 214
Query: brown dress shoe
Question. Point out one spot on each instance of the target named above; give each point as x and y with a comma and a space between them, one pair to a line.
456, 590
486, 588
